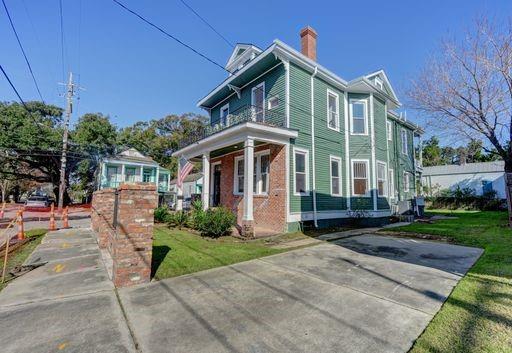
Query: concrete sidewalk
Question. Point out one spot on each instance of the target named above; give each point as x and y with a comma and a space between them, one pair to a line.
363, 293
67, 305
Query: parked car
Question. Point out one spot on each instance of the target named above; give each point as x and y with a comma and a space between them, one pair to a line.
37, 201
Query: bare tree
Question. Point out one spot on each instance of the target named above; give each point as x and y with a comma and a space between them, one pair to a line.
5, 185
466, 91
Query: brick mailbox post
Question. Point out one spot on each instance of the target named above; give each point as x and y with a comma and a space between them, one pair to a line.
132, 243
102, 216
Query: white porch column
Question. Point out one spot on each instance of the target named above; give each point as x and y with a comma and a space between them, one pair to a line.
141, 173
157, 177
206, 181
248, 179
179, 191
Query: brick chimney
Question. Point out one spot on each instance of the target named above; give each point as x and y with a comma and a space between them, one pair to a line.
308, 42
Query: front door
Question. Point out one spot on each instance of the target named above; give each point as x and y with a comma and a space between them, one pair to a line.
216, 185
258, 102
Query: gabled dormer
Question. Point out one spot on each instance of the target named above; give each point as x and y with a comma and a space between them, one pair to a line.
242, 54
380, 80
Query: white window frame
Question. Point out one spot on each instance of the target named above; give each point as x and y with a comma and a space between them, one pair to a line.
271, 99
389, 130
405, 146
340, 184
381, 163
235, 175
407, 185
224, 107
391, 181
257, 166
365, 102
337, 112
368, 191
306, 154
379, 83
262, 84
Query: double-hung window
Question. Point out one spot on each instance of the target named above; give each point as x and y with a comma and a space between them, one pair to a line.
335, 176
391, 174
405, 142
389, 126
333, 114
360, 180
382, 186
358, 117
407, 182
301, 172
260, 174
224, 112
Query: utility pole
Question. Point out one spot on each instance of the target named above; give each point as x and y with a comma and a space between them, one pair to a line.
70, 92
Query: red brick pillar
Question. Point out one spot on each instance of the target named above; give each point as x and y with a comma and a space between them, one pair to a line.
132, 245
102, 215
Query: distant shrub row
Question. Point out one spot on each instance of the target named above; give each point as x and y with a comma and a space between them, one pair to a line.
466, 198
213, 222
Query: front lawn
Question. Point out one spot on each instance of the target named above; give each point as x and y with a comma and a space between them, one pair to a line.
18, 256
178, 252
477, 317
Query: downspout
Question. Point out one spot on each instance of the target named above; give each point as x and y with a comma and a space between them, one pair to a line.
313, 167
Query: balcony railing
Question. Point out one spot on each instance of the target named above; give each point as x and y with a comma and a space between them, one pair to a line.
247, 113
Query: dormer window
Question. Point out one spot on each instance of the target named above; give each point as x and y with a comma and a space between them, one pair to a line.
378, 82
241, 56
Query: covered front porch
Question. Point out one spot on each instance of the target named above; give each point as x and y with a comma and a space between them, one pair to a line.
245, 169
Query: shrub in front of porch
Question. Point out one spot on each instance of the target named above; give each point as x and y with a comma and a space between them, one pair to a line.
161, 214
215, 222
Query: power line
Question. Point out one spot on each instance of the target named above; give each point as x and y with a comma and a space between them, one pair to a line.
22, 50
207, 23
21, 99
170, 35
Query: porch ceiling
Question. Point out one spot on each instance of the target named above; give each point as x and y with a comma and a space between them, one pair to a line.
235, 136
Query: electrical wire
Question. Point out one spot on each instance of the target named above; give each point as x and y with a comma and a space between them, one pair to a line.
170, 35
22, 50
207, 23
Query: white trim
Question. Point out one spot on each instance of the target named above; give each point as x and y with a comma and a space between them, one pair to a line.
337, 121
386, 182
241, 88
407, 187
273, 98
378, 82
374, 165
254, 89
313, 147
389, 130
308, 216
367, 162
248, 180
305, 152
347, 148
340, 183
287, 92
238, 133
257, 166
402, 144
287, 181
365, 102
224, 107
234, 58
391, 183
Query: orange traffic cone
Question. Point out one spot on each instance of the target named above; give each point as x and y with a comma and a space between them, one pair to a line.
65, 223
52, 226
21, 232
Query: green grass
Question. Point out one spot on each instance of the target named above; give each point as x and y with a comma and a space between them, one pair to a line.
477, 317
17, 257
178, 252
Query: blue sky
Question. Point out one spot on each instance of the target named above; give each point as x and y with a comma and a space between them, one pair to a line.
131, 72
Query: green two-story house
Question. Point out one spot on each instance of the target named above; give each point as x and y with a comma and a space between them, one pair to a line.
291, 142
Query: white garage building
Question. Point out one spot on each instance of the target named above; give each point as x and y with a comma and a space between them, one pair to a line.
480, 177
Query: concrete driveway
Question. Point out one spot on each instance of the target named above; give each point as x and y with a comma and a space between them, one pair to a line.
364, 293
361, 294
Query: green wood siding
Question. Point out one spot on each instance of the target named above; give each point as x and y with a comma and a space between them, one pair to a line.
274, 87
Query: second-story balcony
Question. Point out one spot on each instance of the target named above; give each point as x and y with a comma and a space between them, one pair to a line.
248, 113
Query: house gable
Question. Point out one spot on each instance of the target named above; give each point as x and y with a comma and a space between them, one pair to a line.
242, 54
